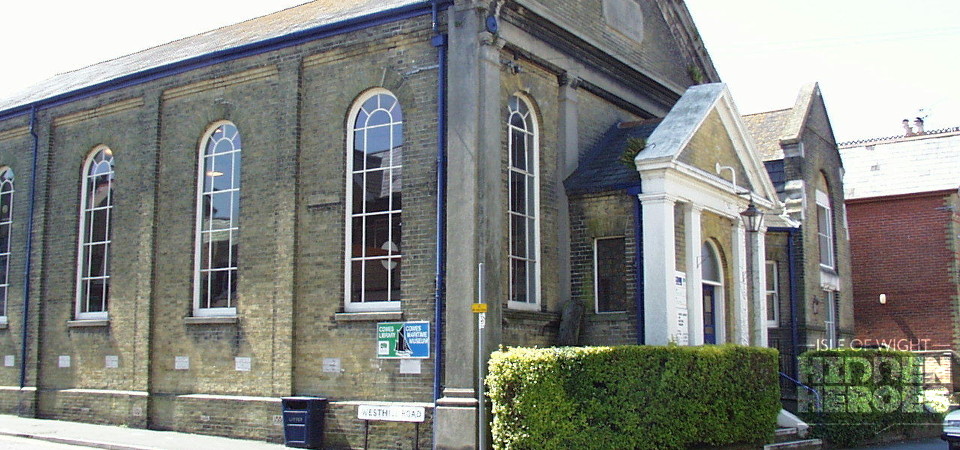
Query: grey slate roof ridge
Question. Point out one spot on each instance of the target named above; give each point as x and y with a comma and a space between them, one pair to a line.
600, 169
767, 112
184, 52
899, 138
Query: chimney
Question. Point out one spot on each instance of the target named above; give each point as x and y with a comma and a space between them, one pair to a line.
906, 128
919, 125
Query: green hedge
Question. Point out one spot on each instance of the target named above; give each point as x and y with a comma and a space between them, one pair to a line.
863, 393
633, 397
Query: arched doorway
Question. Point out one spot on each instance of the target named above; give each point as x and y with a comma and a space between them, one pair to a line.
711, 276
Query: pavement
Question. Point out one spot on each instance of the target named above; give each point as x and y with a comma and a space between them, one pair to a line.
119, 437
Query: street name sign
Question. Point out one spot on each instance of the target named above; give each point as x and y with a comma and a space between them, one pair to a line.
391, 413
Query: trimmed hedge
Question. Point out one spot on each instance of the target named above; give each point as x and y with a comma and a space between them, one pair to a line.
633, 396
863, 393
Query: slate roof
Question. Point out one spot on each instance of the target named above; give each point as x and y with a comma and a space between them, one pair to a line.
286, 22
777, 173
766, 129
908, 165
600, 168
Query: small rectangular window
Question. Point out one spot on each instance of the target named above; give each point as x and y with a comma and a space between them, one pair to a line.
610, 271
830, 321
773, 295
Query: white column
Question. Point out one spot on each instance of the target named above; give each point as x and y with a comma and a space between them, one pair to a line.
659, 268
739, 303
758, 302
694, 244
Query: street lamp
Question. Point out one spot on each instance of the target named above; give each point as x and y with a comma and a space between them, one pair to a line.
752, 218
752, 221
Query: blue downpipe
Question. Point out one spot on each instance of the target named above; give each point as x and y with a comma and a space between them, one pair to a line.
792, 276
638, 263
440, 42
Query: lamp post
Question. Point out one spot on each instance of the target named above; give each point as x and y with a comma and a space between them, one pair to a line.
753, 221
752, 218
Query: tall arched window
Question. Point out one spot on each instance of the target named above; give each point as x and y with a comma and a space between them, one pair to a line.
524, 204
374, 232
96, 212
218, 222
711, 276
825, 229
6, 223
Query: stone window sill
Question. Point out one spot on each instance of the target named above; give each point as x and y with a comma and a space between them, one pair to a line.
214, 320
88, 323
382, 316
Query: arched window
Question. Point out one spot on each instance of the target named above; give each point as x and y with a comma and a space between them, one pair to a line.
6, 223
218, 222
374, 231
711, 276
825, 225
524, 204
96, 212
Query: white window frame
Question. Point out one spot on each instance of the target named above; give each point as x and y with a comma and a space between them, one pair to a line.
348, 304
775, 292
830, 322
596, 274
5, 252
234, 227
825, 235
83, 242
531, 214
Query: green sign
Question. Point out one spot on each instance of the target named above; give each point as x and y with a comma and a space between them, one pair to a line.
403, 340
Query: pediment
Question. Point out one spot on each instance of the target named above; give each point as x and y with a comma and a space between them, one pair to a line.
701, 132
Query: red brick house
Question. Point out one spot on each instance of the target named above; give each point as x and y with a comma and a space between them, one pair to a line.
902, 205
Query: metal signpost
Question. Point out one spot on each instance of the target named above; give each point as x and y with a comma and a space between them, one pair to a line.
480, 309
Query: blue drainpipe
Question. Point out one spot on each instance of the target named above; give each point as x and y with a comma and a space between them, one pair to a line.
29, 248
792, 275
439, 41
638, 262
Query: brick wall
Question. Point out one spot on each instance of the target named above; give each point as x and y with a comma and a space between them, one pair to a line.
600, 216
656, 51
290, 106
909, 256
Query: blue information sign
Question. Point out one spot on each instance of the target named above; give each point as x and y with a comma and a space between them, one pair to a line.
403, 340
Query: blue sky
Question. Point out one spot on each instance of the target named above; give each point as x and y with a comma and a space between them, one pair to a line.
877, 61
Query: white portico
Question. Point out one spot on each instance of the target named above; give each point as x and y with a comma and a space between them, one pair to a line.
703, 271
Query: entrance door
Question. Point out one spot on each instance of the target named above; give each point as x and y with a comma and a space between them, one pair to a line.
709, 318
